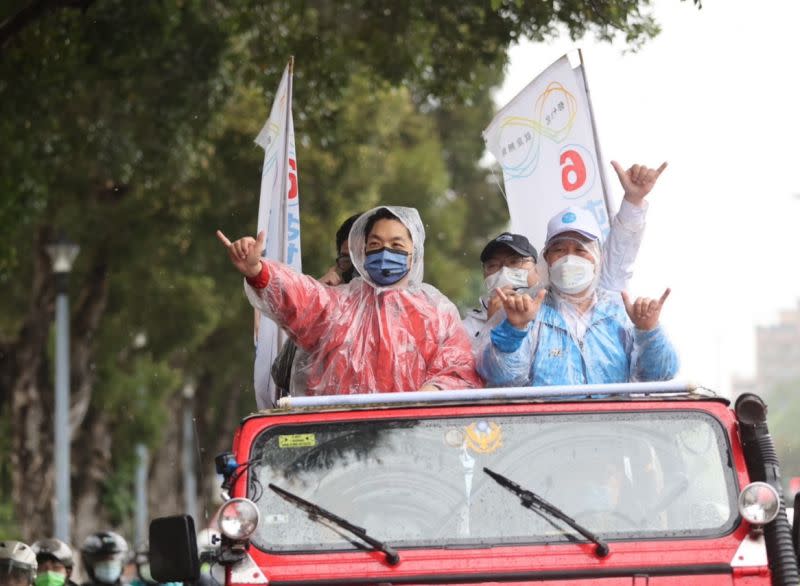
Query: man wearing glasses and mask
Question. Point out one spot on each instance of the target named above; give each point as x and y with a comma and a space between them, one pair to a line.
509, 261
342, 271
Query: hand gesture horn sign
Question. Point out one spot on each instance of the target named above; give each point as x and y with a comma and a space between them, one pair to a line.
521, 309
245, 253
644, 312
638, 180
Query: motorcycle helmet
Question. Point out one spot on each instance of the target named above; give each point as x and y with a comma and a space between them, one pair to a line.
142, 560
17, 563
53, 549
104, 555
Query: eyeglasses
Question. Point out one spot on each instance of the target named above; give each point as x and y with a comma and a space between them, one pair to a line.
343, 262
513, 262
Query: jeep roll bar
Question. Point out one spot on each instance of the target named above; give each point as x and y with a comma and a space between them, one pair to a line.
494, 394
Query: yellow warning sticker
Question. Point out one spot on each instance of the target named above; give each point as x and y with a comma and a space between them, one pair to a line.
297, 440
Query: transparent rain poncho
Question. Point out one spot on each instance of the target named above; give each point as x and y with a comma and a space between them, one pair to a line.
365, 338
568, 343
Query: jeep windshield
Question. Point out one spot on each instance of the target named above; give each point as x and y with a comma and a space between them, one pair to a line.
419, 482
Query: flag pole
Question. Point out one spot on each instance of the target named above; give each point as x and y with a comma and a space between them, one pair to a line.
282, 337
600, 161
285, 174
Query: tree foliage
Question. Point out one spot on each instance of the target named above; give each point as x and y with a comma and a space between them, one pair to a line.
130, 125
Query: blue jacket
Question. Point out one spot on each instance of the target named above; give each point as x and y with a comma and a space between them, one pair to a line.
546, 353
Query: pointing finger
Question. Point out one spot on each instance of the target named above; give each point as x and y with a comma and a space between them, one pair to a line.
501, 294
664, 296
224, 239
262, 237
661, 168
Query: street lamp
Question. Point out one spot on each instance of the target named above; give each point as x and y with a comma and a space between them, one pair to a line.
187, 455
62, 254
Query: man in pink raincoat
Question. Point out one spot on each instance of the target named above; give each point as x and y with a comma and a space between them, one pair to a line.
385, 331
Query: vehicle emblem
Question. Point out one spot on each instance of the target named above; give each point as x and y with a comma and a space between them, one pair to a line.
484, 437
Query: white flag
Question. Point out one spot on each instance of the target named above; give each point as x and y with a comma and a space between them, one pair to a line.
545, 143
279, 215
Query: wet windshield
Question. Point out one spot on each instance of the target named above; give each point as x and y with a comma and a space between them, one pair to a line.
420, 482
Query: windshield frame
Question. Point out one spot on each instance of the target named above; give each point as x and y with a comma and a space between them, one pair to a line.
299, 422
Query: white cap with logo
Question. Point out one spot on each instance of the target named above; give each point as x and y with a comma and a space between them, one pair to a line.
574, 219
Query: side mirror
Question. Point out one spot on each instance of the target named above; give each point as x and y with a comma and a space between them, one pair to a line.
173, 549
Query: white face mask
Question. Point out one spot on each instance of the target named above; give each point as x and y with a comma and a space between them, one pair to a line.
572, 274
107, 572
516, 278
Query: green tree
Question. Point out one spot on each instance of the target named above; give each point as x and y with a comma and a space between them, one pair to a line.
782, 416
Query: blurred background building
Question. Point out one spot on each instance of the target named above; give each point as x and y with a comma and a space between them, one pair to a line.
777, 356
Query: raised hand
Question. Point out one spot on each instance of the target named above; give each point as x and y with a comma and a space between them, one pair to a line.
644, 312
495, 302
521, 309
245, 253
637, 181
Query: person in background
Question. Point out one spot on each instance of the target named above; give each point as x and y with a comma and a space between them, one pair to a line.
288, 362
342, 271
574, 332
143, 576
17, 564
509, 264
509, 261
208, 545
104, 555
55, 561
385, 331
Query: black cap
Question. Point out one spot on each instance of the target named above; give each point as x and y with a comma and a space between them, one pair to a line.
516, 242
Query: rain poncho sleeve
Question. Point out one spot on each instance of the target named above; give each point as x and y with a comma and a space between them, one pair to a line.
298, 303
622, 247
449, 367
547, 352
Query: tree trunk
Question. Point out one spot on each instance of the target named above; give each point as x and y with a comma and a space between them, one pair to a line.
91, 464
31, 406
30, 393
215, 425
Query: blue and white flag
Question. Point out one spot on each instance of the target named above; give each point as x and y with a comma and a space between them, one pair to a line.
279, 215
545, 142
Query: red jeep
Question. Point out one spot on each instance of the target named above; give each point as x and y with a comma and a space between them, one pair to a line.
653, 483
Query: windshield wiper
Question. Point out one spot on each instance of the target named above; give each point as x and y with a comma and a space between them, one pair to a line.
531, 500
314, 511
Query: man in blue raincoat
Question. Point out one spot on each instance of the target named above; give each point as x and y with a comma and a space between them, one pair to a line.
574, 332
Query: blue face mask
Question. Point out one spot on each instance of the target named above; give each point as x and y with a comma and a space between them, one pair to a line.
386, 266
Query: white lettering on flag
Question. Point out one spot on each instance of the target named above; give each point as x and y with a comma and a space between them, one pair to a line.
279, 215
545, 143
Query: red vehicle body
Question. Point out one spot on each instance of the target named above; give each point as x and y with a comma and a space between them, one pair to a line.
681, 458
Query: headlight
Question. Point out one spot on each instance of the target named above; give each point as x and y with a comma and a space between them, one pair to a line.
759, 503
238, 518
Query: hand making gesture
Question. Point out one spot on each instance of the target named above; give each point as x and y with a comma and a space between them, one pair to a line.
637, 181
521, 309
644, 312
245, 253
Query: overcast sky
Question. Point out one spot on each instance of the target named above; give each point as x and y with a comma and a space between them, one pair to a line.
716, 94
